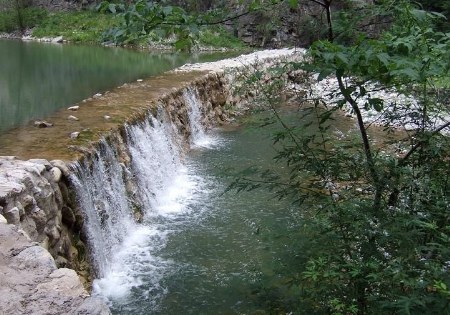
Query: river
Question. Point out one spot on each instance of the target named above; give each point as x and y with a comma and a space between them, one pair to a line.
203, 251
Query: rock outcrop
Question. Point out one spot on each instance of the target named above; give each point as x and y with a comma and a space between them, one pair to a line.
40, 233
30, 282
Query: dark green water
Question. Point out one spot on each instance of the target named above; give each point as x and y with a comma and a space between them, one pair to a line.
36, 78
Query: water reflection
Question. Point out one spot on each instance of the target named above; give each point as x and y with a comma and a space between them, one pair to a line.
37, 79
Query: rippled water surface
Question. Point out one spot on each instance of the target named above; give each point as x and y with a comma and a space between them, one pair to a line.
204, 251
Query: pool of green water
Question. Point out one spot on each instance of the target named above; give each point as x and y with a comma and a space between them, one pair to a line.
36, 79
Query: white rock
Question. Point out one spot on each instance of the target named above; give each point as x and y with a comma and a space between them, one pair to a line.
56, 174
139, 80
2, 219
42, 162
62, 166
107, 117
74, 108
98, 95
71, 117
42, 124
74, 134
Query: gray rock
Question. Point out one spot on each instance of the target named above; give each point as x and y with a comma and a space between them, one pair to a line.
31, 284
12, 216
41, 161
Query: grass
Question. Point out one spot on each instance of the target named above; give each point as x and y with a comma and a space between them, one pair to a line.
89, 27
78, 26
9, 19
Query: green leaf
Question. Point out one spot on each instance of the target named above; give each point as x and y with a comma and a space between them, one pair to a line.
167, 10
323, 75
293, 3
383, 58
376, 103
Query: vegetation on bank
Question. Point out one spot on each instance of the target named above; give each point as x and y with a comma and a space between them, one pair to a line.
101, 24
375, 213
77, 26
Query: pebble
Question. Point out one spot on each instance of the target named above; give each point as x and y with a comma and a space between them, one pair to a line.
42, 124
73, 118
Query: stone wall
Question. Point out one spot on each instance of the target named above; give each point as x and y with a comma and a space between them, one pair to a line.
38, 235
35, 198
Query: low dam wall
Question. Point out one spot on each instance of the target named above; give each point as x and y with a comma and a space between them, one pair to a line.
73, 185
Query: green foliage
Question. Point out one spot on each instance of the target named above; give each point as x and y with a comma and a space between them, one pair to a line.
218, 37
378, 221
81, 26
30, 17
143, 18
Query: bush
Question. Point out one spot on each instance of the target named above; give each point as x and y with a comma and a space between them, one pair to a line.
218, 37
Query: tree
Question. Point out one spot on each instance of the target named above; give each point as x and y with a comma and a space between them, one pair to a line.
380, 223
377, 217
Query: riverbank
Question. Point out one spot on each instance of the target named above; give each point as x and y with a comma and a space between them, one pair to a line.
90, 27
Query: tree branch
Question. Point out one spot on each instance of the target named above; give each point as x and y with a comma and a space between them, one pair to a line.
420, 144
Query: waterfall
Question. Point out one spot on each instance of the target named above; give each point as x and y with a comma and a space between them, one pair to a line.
102, 197
123, 251
199, 138
156, 162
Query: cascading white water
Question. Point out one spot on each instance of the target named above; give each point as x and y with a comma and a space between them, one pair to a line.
123, 251
199, 137
107, 216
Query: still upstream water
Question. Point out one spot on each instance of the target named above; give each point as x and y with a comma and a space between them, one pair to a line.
36, 78
210, 252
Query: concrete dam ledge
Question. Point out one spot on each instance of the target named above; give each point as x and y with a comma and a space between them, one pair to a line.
45, 256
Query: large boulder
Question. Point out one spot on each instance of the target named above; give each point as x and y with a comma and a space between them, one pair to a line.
30, 283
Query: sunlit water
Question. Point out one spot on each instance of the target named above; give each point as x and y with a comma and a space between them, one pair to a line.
203, 251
